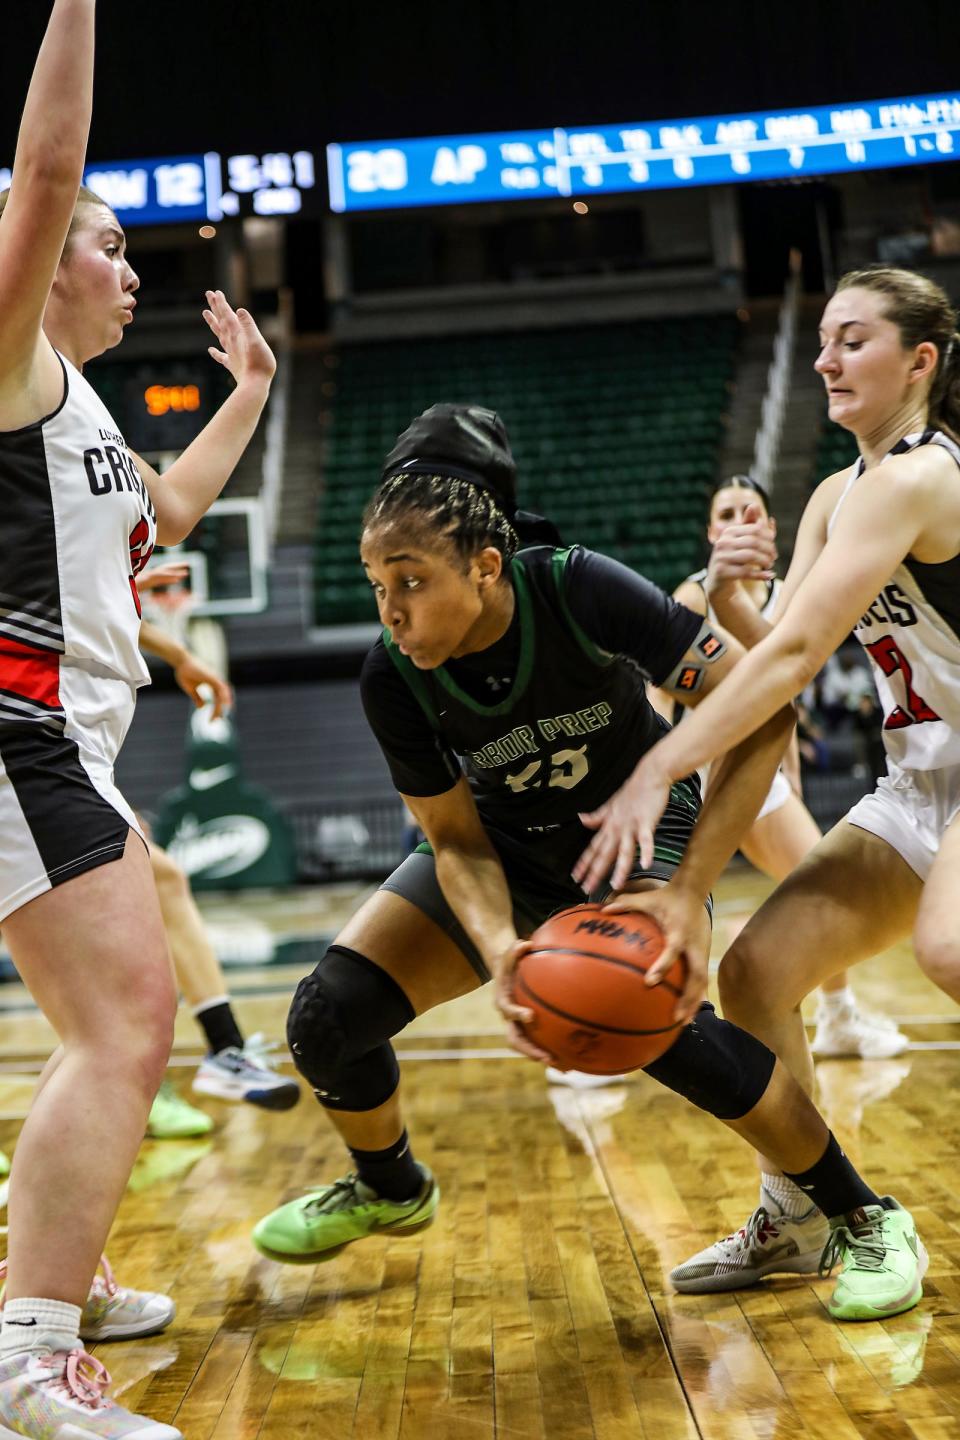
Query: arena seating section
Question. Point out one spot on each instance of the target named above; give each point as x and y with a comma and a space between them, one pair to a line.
616, 429
835, 451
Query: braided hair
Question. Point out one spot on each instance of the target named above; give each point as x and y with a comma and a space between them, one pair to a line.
457, 508
452, 472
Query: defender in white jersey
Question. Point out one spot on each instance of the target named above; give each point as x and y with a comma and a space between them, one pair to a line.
878, 552
79, 907
784, 832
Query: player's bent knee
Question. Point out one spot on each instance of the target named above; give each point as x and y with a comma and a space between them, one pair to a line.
938, 956
744, 980
716, 1066
341, 1020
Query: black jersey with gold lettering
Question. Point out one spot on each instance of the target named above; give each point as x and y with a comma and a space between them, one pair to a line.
553, 718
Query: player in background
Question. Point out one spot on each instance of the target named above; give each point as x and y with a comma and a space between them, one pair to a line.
234, 1068
877, 552
78, 903
784, 831
507, 692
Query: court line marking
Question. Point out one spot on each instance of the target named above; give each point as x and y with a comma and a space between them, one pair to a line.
26, 1067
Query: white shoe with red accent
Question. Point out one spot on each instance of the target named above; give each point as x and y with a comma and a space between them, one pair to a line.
60, 1395
768, 1244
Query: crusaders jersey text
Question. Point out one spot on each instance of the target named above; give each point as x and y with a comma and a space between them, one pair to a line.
911, 633
78, 524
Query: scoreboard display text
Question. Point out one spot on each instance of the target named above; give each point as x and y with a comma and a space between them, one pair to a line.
649, 155
206, 187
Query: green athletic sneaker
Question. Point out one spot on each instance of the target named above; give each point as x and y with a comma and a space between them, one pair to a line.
882, 1259
323, 1221
173, 1119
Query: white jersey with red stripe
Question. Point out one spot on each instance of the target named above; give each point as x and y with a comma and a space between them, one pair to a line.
78, 524
911, 633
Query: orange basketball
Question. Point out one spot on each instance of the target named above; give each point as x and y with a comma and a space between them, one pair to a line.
584, 981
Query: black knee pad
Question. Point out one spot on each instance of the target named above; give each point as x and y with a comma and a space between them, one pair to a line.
716, 1066
340, 1022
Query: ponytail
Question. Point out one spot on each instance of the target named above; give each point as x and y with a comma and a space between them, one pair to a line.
947, 411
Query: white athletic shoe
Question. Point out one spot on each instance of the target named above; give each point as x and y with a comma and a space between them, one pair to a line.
580, 1080
114, 1312
851, 1031
768, 1244
248, 1074
60, 1395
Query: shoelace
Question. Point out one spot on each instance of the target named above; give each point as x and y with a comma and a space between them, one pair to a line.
84, 1379
334, 1197
865, 1243
258, 1053
759, 1228
105, 1284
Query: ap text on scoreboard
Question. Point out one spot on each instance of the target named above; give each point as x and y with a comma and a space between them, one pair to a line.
651, 155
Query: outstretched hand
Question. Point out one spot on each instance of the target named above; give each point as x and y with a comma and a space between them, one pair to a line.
624, 823
243, 352
172, 573
202, 683
680, 916
747, 551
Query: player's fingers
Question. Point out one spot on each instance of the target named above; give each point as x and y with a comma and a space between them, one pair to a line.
583, 864
690, 999
626, 857
646, 844
600, 852
218, 355
592, 818
663, 962
519, 1040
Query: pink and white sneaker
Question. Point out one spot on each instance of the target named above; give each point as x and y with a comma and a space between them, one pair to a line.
59, 1395
113, 1312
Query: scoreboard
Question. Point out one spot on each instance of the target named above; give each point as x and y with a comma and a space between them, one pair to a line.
647, 155
205, 187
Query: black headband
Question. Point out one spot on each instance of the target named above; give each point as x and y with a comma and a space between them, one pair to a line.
444, 469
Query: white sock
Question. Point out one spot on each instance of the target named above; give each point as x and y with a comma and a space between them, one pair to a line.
833, 1001
32, 1324
789, 1199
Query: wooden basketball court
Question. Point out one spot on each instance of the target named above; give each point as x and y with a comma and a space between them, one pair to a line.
536, 1306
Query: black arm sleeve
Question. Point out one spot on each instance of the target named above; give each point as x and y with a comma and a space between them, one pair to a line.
625, 614
419, 760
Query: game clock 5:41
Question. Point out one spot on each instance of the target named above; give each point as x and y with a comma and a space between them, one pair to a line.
204, 187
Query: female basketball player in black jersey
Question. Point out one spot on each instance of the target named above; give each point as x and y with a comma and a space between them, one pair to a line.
877, 552
525, 670
79, 517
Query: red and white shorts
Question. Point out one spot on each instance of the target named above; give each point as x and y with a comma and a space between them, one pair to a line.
60, 811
